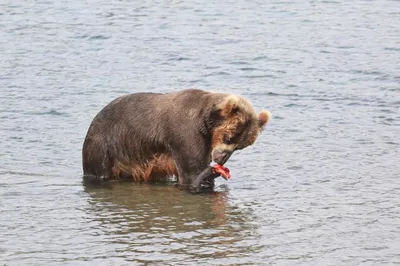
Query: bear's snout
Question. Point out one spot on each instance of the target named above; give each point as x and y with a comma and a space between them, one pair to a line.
220, 156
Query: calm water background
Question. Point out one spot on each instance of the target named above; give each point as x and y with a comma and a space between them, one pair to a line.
321, 186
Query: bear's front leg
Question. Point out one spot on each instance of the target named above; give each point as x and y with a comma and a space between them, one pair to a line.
193, 163
204, 180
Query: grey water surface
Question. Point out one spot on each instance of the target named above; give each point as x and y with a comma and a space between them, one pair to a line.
321, 186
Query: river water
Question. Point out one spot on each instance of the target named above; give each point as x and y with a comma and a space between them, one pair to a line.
321, 186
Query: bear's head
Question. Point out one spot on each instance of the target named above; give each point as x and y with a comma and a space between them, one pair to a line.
238, 128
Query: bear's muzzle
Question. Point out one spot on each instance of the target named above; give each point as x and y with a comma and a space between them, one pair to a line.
221, 156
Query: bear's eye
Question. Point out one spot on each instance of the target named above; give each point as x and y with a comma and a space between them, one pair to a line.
227, 140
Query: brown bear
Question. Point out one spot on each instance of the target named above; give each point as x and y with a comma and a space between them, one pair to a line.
152, 136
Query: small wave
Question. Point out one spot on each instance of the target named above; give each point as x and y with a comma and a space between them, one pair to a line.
366, 72
21, 173
295, 167
239, 63
218, 73
259, 58
50, 112
99, 37
346, 47
83, 36
227, 41
392, 49
248, 68
275, 94
293, 105
259, 76
179, 58
195, 81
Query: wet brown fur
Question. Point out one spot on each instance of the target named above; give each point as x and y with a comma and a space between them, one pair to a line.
158, 169
150, 137
239, 115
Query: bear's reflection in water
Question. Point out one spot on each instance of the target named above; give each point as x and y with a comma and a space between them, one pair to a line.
167, 223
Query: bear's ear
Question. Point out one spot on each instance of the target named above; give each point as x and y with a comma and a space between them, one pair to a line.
264, 118
229, 106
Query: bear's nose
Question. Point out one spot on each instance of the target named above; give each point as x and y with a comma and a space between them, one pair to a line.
221, 156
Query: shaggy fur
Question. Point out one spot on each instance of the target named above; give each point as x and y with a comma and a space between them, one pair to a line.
151, 136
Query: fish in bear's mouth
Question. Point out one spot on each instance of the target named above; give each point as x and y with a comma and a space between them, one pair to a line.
222, 170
